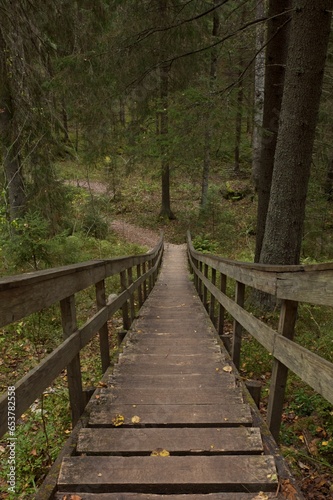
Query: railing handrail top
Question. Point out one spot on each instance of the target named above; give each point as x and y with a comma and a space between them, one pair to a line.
46, 274
269, 268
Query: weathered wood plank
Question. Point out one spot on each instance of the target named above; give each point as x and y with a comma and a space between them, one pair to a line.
147, 379
223, 414
233, 440
315, 287
28, 293
169, 474
173, 395
146, 496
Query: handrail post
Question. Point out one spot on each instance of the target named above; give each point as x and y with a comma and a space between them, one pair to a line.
238, 329
74, 377
205, 290
223, 287
212, 299
200, 282
144, 270
286, 328
132, 306
138, 275
123, 282
103, 332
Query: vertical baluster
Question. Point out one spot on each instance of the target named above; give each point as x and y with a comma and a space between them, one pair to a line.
286, 328
74, 378
132, 306
144, 270
212, 299
103, 332
138, 275
200, 282
238, 329
223, 287
205, 290
123, 282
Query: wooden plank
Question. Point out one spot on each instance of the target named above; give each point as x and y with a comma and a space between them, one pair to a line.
210, 440
132, 369
25, 294
167, 379
237, 327
279, 376
164, 349
244, 473
103, 331
223, 414
315, 287
74, 377
261, 332
173, 395
144, 496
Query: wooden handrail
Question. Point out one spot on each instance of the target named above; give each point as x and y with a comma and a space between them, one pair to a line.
291, 284
51, 286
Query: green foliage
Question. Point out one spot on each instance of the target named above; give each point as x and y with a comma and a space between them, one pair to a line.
203, 244
93, 224
28, 243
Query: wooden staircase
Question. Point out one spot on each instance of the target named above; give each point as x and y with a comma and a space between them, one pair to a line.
172, 420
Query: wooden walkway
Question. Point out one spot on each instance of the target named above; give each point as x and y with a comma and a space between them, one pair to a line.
172, 420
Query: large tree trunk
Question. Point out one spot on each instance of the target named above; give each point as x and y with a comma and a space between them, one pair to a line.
208, 131
164, 121
276, 56
10, 142
163, 134
259, 85
309, 37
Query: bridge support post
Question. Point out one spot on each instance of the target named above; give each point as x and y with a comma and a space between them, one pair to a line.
123, 282
238, 329
212, 300
288, 316
132, 306
138, 275
223, 286
74, 378
103, 332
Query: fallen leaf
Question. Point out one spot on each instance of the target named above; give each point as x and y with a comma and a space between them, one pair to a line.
261, 496
118, 420
102, 384
75, 497
136, 419
99, 474
227, 368
33, 452
160, 452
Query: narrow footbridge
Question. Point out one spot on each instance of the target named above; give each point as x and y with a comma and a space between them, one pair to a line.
172, 418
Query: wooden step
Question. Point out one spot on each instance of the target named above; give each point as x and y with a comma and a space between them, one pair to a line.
190, 474
172, 395
217, 415
175, 440
167, 379
143, 496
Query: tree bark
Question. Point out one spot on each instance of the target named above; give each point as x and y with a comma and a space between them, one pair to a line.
309, 37
259, 86
10, 141
164, 124
208, 132
276, 56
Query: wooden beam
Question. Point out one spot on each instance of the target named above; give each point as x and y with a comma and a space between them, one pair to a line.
103, 331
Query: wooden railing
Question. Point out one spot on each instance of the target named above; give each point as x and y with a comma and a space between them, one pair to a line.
289, 284
25, 294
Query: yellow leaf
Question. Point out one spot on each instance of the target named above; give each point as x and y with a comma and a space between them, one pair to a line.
102, 384
227, 368
75, 497
118, 420
160, 452
136, 419
324, 443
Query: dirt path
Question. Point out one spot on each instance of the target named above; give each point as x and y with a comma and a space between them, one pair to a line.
135, 234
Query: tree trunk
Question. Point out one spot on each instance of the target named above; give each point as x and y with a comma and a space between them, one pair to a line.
164, 123
239, 117
10, 140
276, 56
259, 84
309, 37
208, 132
